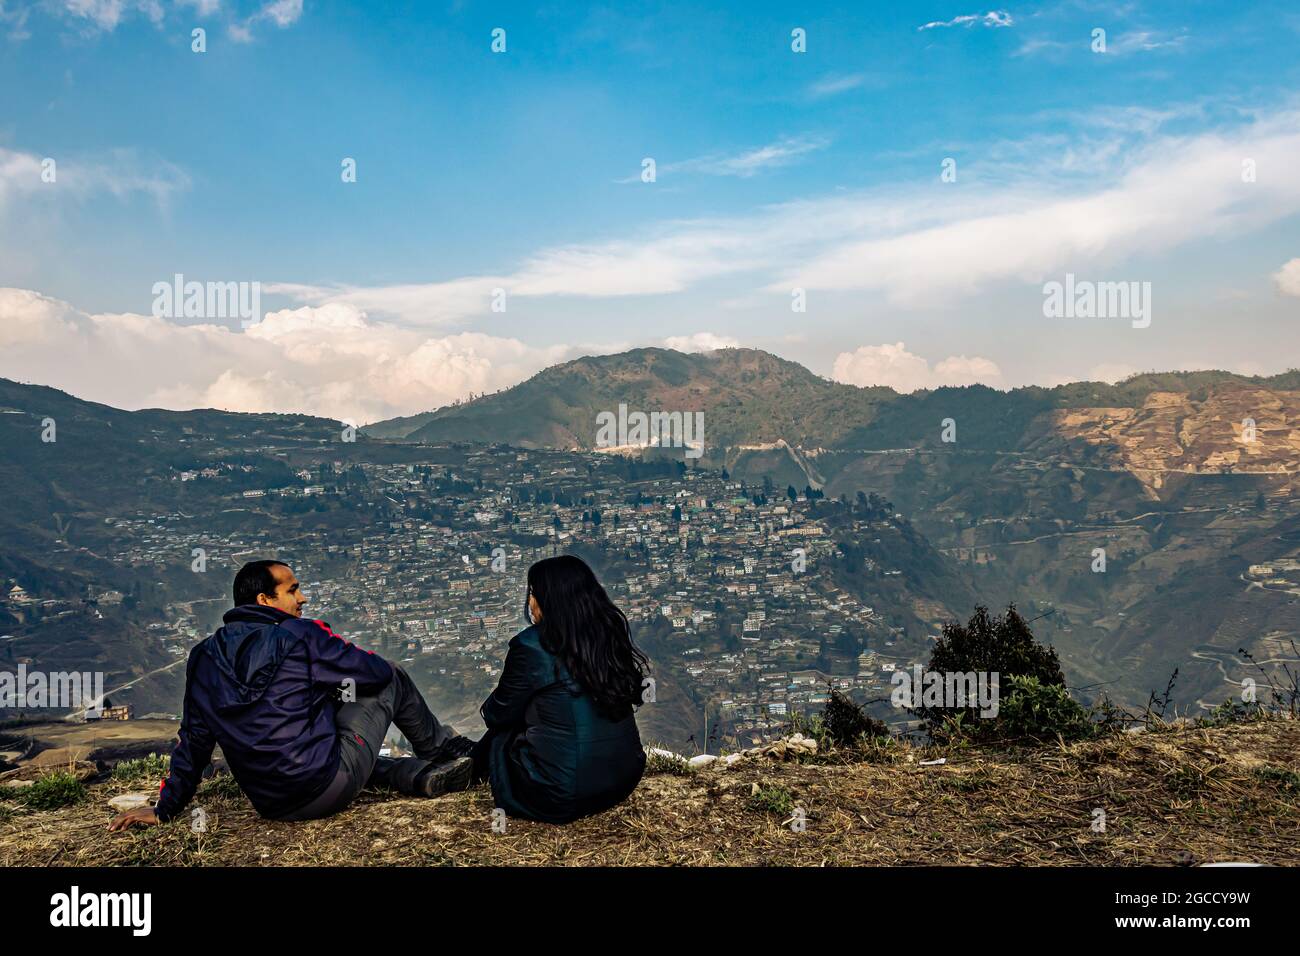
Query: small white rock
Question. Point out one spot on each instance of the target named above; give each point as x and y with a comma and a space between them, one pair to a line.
701, 760
665, 754
129, 801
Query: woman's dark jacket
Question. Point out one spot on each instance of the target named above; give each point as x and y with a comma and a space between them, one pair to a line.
552, 756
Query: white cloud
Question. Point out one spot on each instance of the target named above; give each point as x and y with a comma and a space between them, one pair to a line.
283, 13
16, 21
1144, 41
331, 361
19, 173
105, 15
832, 85
743, 165
1112, 372
1036, 45
1288, 278
1129, 191
994, 18
754, 161
204, 8
31, 320
119, 172
431, 303
903, 371
701, 342
655, 265
1166, 193
1124, 44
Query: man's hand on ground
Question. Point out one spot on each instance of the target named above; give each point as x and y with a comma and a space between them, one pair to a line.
141, 816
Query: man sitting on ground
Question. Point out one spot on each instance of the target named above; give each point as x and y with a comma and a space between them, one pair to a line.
300, 713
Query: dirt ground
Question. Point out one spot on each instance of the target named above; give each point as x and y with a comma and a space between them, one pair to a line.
1171, 798
105, 738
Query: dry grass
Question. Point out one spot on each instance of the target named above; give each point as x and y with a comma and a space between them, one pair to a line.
1191, 795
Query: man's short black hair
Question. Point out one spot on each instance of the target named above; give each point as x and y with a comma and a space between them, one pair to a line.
253, 579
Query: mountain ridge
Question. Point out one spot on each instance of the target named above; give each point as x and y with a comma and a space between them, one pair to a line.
557, 406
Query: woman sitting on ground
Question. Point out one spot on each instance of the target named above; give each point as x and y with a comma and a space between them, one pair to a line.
562, 739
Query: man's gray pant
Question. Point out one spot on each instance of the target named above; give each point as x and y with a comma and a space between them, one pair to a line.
362, 725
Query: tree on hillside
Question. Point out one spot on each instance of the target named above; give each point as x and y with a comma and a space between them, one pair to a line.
1004, 645
992, 645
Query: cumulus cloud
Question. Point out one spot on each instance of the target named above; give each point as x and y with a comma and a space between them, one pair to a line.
1288, 278
701, 342
330, 360
903, 371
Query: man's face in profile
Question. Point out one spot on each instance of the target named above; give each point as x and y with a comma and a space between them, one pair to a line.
288, 595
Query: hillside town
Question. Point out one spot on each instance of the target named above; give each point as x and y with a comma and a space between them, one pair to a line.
731, 587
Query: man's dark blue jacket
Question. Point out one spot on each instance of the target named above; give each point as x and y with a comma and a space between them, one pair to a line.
265, 687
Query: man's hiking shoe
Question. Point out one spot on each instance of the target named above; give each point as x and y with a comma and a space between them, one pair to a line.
458, 746
447, 777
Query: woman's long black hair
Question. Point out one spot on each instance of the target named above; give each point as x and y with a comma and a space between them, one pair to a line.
581, 626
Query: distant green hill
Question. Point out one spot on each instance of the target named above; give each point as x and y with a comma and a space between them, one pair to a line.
751, 397
747, 395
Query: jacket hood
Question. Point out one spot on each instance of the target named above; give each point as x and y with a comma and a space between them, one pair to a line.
248, 650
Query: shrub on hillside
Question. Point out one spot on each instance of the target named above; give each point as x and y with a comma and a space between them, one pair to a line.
152, 767
772, 798
1040, 711
845, 724
1232, 712
52, 791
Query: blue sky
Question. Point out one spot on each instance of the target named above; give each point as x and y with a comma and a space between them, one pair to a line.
520, 171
